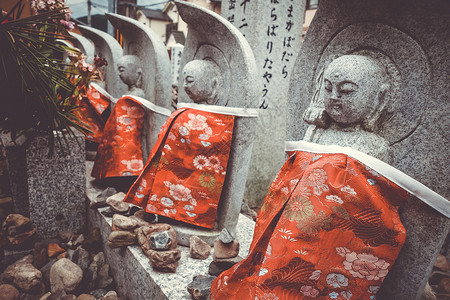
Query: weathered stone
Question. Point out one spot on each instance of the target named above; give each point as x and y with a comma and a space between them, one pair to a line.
143, 215
428, 293
217, 266
120, 222
225, 236
45, 270
198, 248
23, 275
65, 235
444, 285
100, 200
222, 250
442, 263
116, 203
98, 293
79, 240
86, 297
54, 249
21, 237
69, 297
144, 233
65, 276
46, 296
139, 221
17, 222
200, 287
82, 258
8, 292
109, 213
247, 211
165, 261
161, 240
103, 277
121, 238
40, 257
111, 295
93, 241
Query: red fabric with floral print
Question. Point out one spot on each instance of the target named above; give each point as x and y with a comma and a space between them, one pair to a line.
328, 229
89, 112
120, 151
184, 175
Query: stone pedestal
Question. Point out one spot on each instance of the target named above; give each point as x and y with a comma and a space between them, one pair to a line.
49, 189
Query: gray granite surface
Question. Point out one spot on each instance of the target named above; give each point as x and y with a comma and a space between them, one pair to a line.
85, 45
413, 47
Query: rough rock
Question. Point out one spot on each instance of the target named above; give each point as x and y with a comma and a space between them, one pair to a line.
120, 222
65, 235
161, 240
93, 241
139, 221
65, 276
144, 233
442, 263
40, 257
46, 296
444, 285
111, 295
45, 270
103, 278
86, 297
23, 275
247, 211
109, 213
219, 265
225, 236
200, 287
198, 248
116, 203
82, 258
54, 249
165, 261
69, 297
18, 228
100, 200
79, 240
121, 238
222, 250
428, 293
98, 293
8, 292
145, 216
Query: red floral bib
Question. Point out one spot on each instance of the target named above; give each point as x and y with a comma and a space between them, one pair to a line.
184, 175
328, 229
120, 151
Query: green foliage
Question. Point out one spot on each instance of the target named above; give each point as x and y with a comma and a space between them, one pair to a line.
36, 92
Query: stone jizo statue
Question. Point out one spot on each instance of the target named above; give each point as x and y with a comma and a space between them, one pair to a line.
348, 106
202, 81
130, 72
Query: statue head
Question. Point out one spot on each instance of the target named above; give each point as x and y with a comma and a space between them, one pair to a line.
353, 90
130, 71
202, 81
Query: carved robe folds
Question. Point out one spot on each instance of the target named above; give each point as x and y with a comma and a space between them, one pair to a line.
328, 229
186, 169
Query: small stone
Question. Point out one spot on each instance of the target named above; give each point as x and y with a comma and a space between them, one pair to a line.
161, 240
200, 287
116, 203
225, 236
111, 295
109, 213
144, 233
86, 297
100, 200
82, 258
40, 257
8, 292
444, 285
103, 277
121, 238
65, 235
219, 265
442, 263
120, 222
428, 293
69, 297
139, 222
79, 240
98, 293
20, 223
93, 241
23, 275
199, 249
247, 211
145, 216
21, 237
222, 250
165, 261
54, 249
46, 296
45, 270
134, 209
65, 276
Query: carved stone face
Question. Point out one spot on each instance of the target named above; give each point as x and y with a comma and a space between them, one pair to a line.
130, 71
351, 87
202, 81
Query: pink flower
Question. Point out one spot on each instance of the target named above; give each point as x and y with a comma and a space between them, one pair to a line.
364, 265
134, 164
309, 291
197, 122
317, 179
179, 192
269, 296
337, 280
134, 111
201, 162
